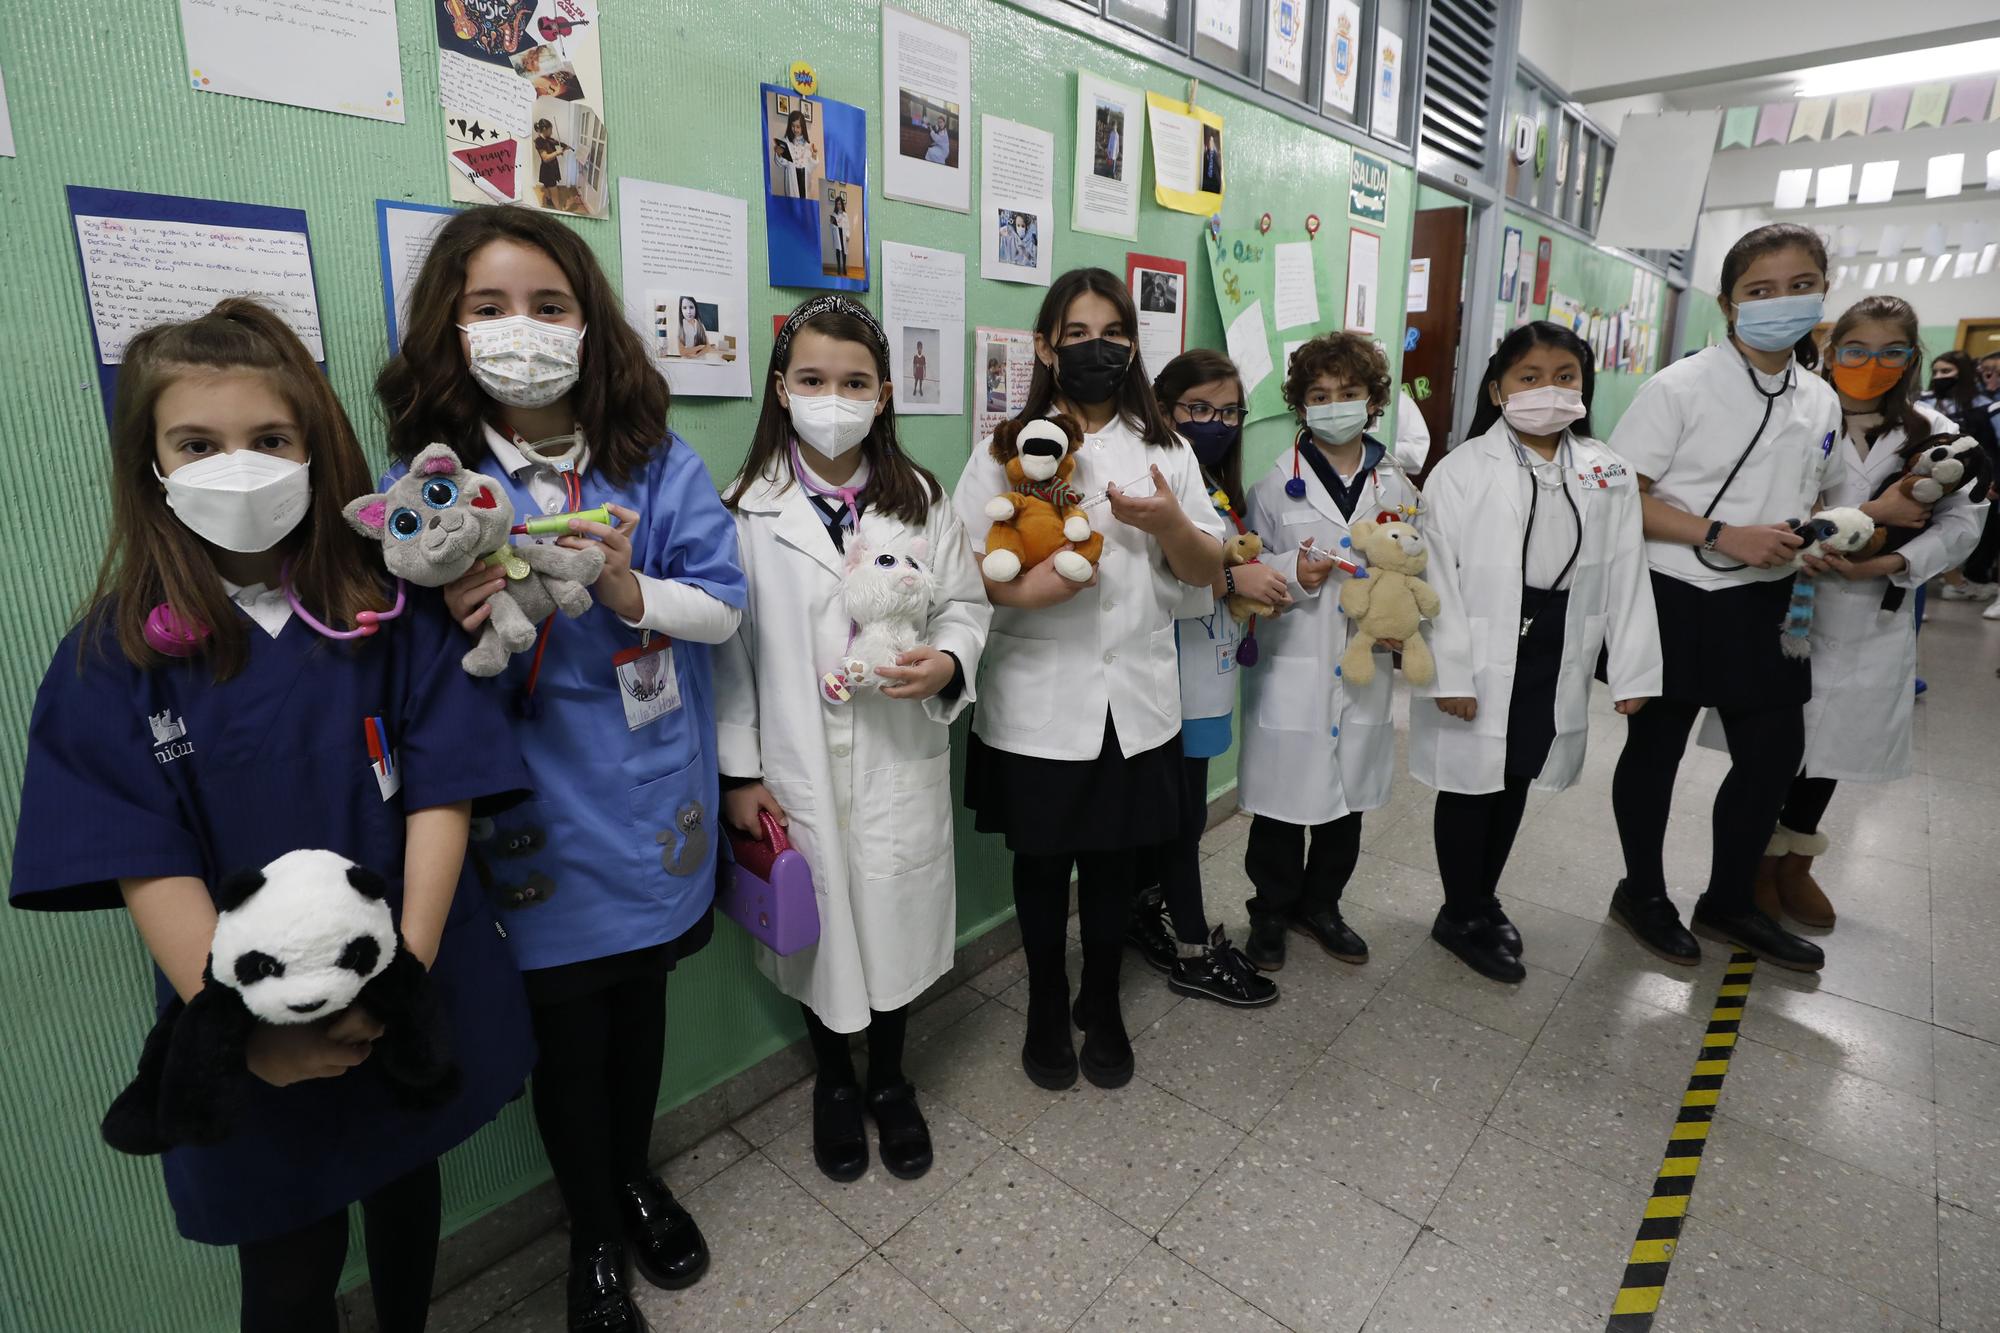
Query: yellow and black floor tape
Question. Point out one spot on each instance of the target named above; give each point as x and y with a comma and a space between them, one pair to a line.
1660, 1229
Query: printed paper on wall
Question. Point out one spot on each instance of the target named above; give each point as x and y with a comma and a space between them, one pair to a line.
1187, 156
926, 112
815, 154
330, 55
687, 284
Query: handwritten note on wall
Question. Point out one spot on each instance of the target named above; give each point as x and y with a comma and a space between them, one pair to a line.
141, 272
331, 55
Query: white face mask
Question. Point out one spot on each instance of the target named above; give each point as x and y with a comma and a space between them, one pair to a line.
832, 425
1337, 423
523, 361
245, 502
1542, 411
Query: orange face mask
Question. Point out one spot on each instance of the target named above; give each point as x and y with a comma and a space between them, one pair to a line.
1867, 381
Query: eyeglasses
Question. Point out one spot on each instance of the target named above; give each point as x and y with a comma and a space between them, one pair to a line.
1197, 410
1889, 358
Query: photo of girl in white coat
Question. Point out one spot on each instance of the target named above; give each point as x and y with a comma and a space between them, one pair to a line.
1316, 752
862, 784
1538, 559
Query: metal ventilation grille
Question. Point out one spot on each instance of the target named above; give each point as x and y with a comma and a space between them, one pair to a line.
1458, 79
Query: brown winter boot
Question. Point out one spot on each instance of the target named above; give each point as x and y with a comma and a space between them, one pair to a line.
1766, 886
1798, 893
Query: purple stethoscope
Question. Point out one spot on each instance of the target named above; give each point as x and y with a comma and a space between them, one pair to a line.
169, 635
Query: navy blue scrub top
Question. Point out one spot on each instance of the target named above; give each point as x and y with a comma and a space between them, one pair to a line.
138, 774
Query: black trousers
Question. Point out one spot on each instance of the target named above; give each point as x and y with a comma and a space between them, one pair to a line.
1290, 878
1104, 887
1765, 747
1474, 836
1176, 865
595, 1086
289, 1282
1806, 803
887, 1029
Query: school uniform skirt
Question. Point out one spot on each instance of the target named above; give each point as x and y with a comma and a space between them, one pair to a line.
1719, 648
1531, 711
1055, 807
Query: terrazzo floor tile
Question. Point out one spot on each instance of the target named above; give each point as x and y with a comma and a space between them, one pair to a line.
774, 1117
1970, 1279
1013, 1248
1436, 976
975, 1066
1136, 1150
1857, 1120
1588, 1114
1845, 1034
543, 1309
1143, 996
489, 1295
872, 1297
1396, 1146
876, 1206
1160, 1293
1551, 939
1645, 1044
1426, 1049
1721, 1283
1440, 1286
702, 1163
1968, 1161
1966, 978
1001, 974
1873, 965
1233, 1070
1968, 1072
1308, 1251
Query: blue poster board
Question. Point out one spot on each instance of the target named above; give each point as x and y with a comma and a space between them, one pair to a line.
815, 190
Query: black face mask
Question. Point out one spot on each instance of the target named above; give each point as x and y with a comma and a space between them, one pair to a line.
1089, 372
1943, 386
1209, 439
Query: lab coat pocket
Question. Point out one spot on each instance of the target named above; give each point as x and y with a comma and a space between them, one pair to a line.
1294, 695
1019, 681
1478, 628
906, 816
1573, 704
674, 829
1165, 658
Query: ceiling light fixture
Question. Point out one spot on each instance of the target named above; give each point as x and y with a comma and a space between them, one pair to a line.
1939, 62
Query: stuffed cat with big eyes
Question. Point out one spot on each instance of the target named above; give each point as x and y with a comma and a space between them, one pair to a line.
888, 601
438, 519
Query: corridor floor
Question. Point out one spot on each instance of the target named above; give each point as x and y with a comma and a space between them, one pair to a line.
1405, 1146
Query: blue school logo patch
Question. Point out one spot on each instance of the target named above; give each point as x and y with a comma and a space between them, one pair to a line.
170, 740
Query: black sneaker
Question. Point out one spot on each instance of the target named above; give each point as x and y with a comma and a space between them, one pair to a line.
1325, 928
1655, 923
1503, 929
1222, 973
1751, 929
1149, 931
1266, 946
1478, 946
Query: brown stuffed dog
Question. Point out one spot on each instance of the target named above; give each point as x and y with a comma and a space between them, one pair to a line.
1042, 516
1242, 549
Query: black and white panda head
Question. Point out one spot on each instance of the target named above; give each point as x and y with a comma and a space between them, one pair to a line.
301, 937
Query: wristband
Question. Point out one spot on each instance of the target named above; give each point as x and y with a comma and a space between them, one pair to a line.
1229, 582
1714, 533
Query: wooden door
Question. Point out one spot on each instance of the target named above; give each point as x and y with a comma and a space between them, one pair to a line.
1978, 337
1430, 368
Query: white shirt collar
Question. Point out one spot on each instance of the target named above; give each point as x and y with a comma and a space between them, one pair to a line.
268, 607
853, 483
1767, 383
514, 463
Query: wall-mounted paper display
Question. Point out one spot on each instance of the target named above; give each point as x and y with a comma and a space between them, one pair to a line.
1110, 151
1004, 362
1945, 176
404, 231
1343, 48
1992, 161
1285, 40
523, 94
1792, 188
1294, 289
1220, 21
1417, 296
1891, 243
687, 284
815, 190
923, 312
1850, 115
1364, 286
1388, 82
1016, 211
1187, 156
926, 111
1510, 262
1159, 289
1832, 185
1878, 182
6, 121
330, 55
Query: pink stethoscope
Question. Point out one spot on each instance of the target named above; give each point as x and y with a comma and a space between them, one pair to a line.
847, 495
169, 635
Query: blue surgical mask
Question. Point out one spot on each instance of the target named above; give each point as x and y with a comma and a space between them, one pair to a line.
1337, 423
1210, 440
1777, 322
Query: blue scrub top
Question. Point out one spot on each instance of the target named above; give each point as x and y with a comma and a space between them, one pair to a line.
143, 773
620, 843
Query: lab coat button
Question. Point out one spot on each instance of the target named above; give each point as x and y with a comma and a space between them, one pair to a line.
841, 752
1109, 658
551, 506
1108, 604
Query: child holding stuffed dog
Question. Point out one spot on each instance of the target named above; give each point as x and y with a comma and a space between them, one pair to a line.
1538, 561
517, 354
197, 724
1075, 754
858, 770
1317, 751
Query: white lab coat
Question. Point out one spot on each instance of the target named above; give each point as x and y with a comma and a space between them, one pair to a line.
1313, 749
1475, 509
1864, 659
867, 784
1413, 434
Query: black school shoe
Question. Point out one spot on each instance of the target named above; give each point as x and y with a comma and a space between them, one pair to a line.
1751, 929
1048, 1054
1149, 933
840, 1140
1479, 946
1656, 924
598, 1302
906, 1139
1222, 972
1503, 929
1324, 927
1106, 1058
665, 1244
1266, 946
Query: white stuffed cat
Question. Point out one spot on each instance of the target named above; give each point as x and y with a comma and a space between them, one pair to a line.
888, 600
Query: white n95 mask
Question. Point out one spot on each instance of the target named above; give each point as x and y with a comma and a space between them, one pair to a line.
523, 361
245, 501
832, 425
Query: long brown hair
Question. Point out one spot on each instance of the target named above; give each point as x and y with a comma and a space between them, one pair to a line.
428, 393
1769, 239
1205, 365
153, 558
1136, 404
1898, 409
897, 486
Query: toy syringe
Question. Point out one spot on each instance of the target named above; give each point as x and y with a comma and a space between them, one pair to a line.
552, 524
1340, 562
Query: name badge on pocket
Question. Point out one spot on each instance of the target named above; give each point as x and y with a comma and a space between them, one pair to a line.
1225, 657
1604, 476
647, 683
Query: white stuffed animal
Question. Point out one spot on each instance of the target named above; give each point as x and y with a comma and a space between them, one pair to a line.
888, 600
1829, 532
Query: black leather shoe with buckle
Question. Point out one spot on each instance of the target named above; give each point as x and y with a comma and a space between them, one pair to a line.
1655, 923
598, 1302
665, 1244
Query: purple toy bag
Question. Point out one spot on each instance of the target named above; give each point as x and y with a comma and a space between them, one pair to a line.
766, 888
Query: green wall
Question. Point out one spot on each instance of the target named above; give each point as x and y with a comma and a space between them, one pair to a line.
1597, 279
1701, 321
109, 106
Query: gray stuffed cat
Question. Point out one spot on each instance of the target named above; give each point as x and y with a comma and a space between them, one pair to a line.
438, 519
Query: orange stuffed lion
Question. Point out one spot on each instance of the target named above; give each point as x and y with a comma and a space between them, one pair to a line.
1042, 516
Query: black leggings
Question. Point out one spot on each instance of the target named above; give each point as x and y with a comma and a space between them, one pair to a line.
1104, 905
1765, 746
1176, 866
1288, 877
1806, 804
886, 1029
290, 1281
596, 1084
1474, 835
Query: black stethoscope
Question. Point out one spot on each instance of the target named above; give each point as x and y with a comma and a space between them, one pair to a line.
1770, 402
1563, 462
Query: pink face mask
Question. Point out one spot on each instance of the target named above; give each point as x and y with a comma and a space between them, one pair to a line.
1543, 411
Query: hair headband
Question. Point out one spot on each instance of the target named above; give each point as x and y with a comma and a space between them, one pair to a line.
832, 304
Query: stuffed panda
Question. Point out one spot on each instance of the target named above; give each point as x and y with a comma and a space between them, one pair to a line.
1844, 532
296, 942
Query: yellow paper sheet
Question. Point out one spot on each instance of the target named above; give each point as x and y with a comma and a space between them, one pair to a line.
1188, 173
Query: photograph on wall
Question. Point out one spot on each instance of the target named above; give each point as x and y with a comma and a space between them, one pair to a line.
340, 58
1544, 253
1285, 40
1159, 288
1364, 281
1016, 201
1388, 83
1187, 156
815, 155
1510, 263
926, 112
522, 89
687, 284
923, 312
1004, 362
1343, 44
1110, 151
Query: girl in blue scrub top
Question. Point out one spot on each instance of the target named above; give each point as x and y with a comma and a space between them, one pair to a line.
150, 776
517, 354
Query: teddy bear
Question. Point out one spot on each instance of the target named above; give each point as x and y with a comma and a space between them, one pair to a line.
888, 601
1391, 603
1042, 515
1934, 467
439, 518
1241, 549
1839, 531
